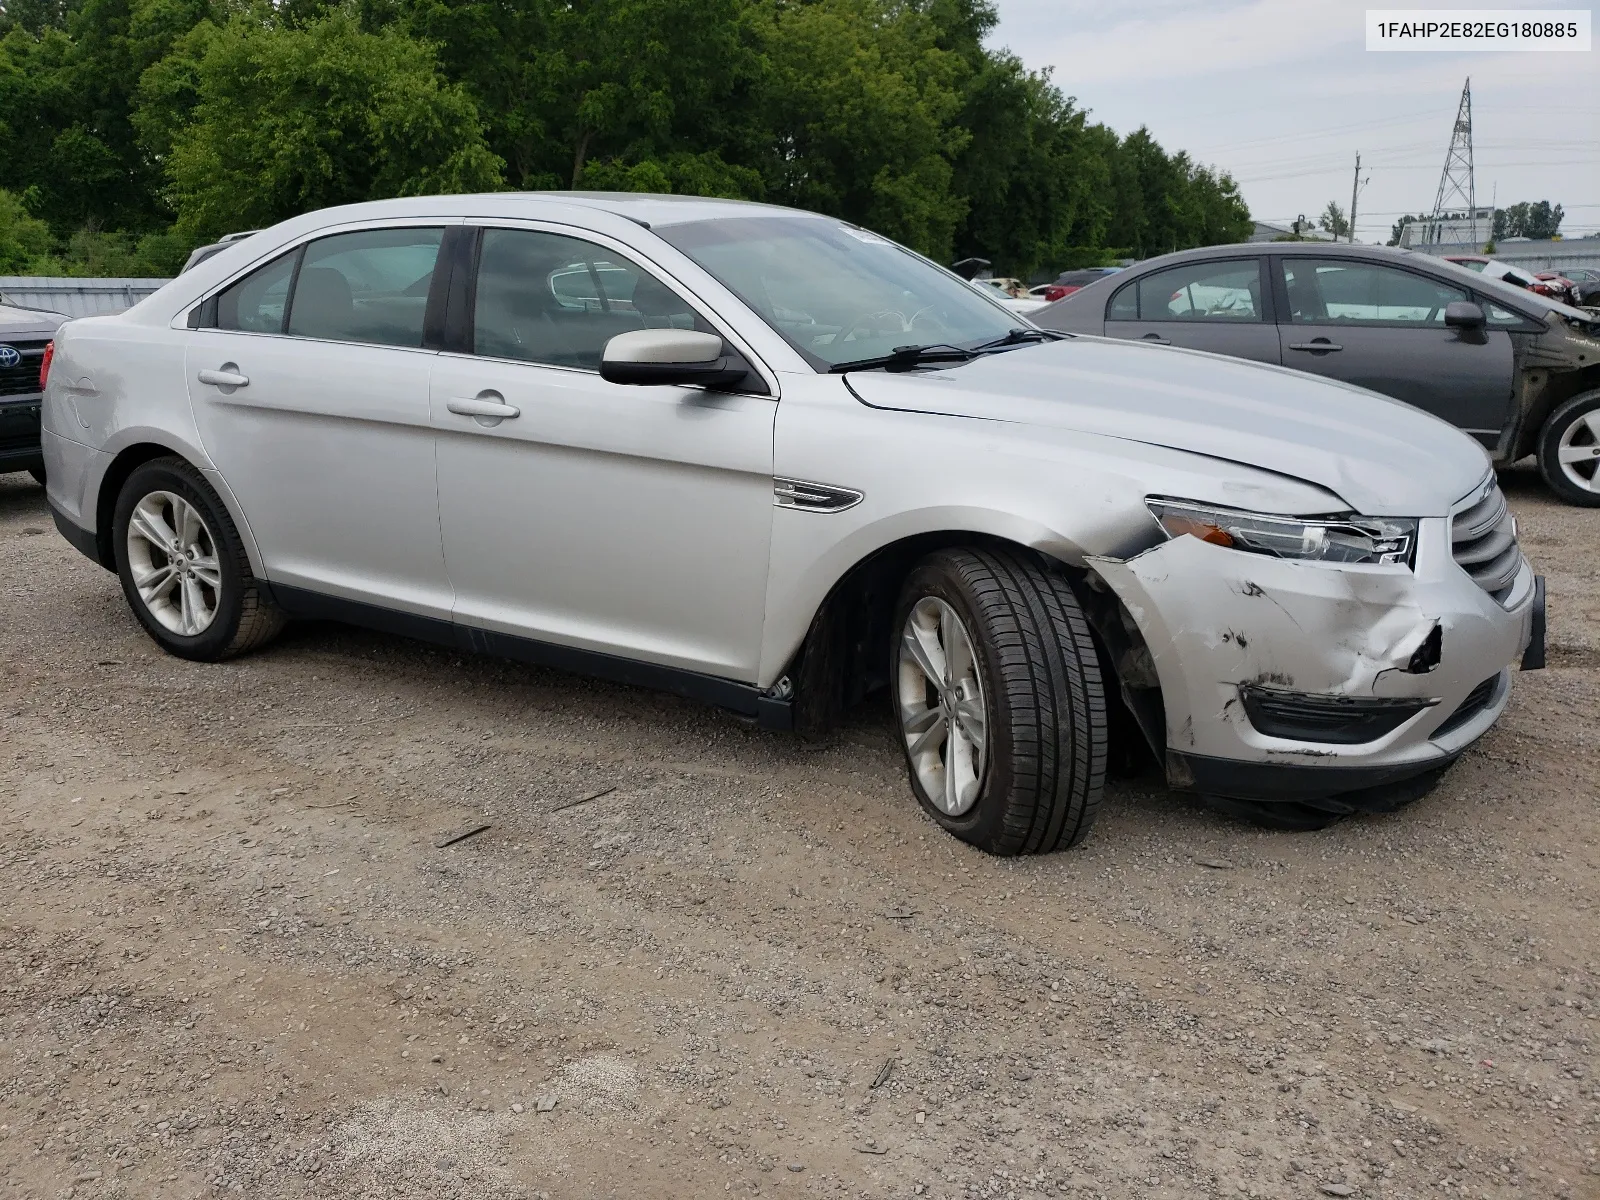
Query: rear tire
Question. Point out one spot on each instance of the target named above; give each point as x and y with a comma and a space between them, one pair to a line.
1572, 433
183, 567
1007, 751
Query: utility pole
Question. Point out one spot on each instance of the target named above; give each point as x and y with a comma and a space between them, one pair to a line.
1355, 188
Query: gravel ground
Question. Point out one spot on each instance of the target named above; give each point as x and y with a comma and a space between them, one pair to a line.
234, 958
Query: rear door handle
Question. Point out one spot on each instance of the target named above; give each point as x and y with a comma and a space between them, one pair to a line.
1156, 339
1315, 346
487, 408
227, 377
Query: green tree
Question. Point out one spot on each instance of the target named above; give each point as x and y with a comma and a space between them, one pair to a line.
23, 237
1334, 221
1530, 220
861, 103
292, 119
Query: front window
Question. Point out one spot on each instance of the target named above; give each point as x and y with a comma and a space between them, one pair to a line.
1338, 290
836, 293
552, 299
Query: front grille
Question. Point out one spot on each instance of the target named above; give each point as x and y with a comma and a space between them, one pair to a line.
1477, 700
22, 379
1483, 540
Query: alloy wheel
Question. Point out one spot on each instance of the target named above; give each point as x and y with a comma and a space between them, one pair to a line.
172, 557
1578, 452
941, 701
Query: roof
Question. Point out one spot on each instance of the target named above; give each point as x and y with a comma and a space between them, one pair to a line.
646, 208
661, 209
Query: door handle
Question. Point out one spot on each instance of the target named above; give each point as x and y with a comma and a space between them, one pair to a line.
226, 377
485, 404
1155, 339
1319, 346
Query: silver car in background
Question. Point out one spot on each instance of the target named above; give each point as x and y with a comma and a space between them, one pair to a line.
773, 461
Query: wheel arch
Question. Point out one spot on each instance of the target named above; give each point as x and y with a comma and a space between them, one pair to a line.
127, 459
843, 655
1561, 387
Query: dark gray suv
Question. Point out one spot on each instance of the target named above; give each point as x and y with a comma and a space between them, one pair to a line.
1518, 371
24, 334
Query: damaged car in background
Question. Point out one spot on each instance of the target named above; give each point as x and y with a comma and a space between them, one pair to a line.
781, 465
1517, 370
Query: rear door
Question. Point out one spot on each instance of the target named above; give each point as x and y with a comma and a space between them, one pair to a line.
1382, 327
309, 382
1220, 305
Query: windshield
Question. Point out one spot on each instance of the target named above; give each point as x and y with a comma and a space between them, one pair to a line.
836, 293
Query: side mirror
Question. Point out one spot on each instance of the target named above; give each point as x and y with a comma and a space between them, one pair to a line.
1464, 314
670, 356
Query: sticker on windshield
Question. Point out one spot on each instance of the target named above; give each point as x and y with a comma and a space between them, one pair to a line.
862, 235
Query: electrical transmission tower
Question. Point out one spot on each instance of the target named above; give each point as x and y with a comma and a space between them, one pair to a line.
1456, 185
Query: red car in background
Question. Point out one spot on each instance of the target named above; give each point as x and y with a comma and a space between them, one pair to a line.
1548, 283
1070, 281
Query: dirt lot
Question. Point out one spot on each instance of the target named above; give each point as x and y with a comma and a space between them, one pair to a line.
233, 958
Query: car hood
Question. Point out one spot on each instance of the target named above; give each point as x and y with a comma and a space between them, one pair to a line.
14, 322
1380, 456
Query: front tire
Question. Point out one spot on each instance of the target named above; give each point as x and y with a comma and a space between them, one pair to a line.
183, 567
1569, 450
1000, 703
38, 475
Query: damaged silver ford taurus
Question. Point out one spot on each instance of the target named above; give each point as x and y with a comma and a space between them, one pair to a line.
774, 461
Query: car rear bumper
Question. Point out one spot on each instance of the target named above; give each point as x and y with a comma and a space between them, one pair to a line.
1371, 674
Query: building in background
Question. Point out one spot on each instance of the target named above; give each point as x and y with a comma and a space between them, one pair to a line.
1545, 254
1455, 229
74, 297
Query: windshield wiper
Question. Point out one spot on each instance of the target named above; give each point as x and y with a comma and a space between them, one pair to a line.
1017, 337
903, 358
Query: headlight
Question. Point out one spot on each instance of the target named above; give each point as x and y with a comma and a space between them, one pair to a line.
1350, 539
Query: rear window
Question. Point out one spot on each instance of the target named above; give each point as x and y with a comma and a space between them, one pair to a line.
1226, 291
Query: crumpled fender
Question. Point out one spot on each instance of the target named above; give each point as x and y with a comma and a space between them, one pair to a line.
1215, 619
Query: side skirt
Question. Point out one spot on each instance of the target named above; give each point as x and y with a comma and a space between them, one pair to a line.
742, 698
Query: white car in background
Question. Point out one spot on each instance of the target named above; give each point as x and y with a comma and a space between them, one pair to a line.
774, 461
1007, 292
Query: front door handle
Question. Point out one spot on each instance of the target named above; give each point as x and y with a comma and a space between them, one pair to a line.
1155, 339
1320, 346
485, 404
226, 377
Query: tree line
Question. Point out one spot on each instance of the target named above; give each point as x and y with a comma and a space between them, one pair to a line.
132, 130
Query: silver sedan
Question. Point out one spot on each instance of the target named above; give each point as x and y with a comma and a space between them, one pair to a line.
776, 462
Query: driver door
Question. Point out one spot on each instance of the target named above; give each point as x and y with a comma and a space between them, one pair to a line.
1381, 327
627, 520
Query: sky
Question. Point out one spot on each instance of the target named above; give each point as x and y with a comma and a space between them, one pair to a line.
1283, 94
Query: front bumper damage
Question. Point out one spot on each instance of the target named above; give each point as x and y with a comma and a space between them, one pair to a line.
1419, 658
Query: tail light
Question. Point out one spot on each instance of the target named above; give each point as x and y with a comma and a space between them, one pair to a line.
44, 364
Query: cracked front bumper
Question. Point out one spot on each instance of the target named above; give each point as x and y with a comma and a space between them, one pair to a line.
1217, 621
